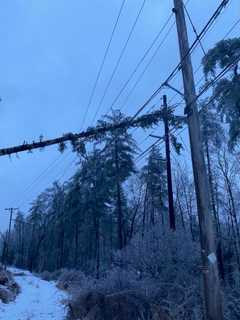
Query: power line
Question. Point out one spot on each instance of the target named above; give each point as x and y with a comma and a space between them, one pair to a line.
147, 66
236, 23
26, 194
199, 37
160, 140
67, 168
232, 28
57, 178
191, 48
128, 122
217, 78
98, 77
119, 59
43, 174
174, 107
101, 68
142, 59
216, 13
103, 61
210, 84
156, 143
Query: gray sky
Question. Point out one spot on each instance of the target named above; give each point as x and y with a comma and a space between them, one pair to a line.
50, 55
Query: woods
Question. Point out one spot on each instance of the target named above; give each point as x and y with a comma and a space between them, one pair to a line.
151, 233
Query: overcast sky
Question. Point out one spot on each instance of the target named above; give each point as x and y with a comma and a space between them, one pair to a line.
50, 55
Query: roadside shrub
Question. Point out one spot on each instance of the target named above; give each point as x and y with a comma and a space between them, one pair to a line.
157, 270
232, 297
46, 275
70, 279
9, 289
125, 305
53, 276
118, 280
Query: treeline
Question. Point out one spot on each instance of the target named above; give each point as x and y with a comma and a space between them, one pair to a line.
81, 223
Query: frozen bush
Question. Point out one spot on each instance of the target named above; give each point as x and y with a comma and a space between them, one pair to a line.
52, 276
162, 255
125, 305
8, 287
118, 295
117, 280
69, 279
57, 273
46, 275
168, 272
232, 297
6, 295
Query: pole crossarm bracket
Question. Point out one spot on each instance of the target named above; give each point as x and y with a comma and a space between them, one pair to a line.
166, 84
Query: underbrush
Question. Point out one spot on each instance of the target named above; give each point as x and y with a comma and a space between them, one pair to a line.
154, 278
9, 289
51, 276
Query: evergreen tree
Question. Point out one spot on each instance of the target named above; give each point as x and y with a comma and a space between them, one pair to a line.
227, 91
120, 149
154, 177
97, 190
213, 138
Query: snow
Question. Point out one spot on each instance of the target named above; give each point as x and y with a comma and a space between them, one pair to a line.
38, 300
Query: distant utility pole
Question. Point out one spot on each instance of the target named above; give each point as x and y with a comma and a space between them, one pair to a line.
212, 291
11, 210
171, 213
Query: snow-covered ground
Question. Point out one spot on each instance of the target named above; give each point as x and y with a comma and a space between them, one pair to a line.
38, 300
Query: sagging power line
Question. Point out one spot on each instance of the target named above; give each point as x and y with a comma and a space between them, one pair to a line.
119, 58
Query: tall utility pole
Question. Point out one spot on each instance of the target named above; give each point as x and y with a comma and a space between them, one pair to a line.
171, 213
212, 290
169, 169
11, 210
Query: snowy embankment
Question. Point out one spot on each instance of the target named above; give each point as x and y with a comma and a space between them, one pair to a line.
38, 300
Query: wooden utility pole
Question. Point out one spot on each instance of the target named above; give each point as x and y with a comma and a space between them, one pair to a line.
171, 213
11, 210
212, 291
169, 169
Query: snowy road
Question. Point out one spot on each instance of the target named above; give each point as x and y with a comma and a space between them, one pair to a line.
38, 300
